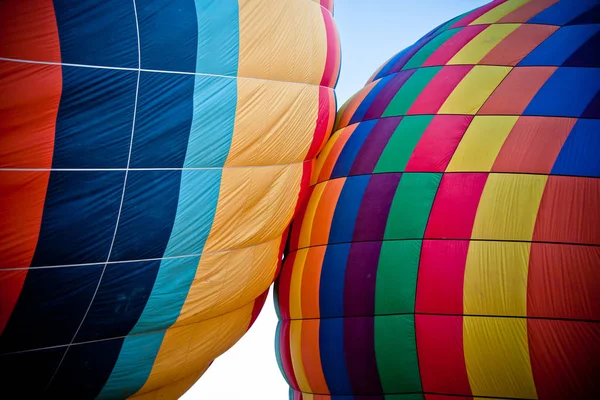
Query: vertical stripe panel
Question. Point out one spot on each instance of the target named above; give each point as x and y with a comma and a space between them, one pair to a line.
327, 160
296, 336
332, 62
324, 214
309, 287
285, 352
353, 145
478, 12
409, 92
333, 355
426, 51
527, 11
324, 124
500, 11
482, 44
309, 215
311, 357
296, 284
517, 45
331, 289
449, 49
374, 145
361, 359
437, 91
283, 286
344, 218
393, 83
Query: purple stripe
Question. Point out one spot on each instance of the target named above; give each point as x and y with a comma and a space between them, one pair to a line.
361, 361
373, 146
408, 55
374, 209
386, 94
359, 282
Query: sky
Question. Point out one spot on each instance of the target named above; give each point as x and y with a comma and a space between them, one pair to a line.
371, 31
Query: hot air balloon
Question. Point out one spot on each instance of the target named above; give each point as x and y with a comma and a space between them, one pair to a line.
152, 154
450, 246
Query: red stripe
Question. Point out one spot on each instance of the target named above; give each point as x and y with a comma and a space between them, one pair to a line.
437, 91
323, 128
330, 73
467, 19
286, 356
453, 45
299, 217
283, 286
28, 124
259, 302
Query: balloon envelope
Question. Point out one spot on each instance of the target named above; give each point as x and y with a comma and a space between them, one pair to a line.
451, 244
152, 153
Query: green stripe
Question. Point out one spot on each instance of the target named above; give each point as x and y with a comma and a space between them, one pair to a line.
396, 280
423, 54
411, 205
409, 92
411, 396
401, 145
396, 352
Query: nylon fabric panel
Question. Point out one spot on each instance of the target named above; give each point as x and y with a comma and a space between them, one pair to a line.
324, 215
375, 207
374, 146
175, 389
527, 11
426, 51
409, 92
482, 44
449, 49
296, 335
501, 10
31, 371
295, 290
309, 216
563, 12
437, 91
331, 289
276, 39
311, 274
348, 154
577, 155
330, 153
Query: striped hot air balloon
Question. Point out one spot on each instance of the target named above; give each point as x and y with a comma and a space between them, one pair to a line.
152, 153
450, 248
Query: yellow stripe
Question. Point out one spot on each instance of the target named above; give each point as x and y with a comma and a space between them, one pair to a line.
172, 391
255, 205
508, 207
228, 280
499, 12
481, 143
477, 48
322, 157
296, 284
274, 124
470, 94
188, 349
282, 40
296, 355
309, 216
495, 280
497, 357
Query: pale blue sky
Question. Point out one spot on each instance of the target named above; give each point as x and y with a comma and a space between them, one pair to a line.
371, 31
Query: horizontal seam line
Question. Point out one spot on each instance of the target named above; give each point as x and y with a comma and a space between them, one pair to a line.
593, 321
131, 69
420, 392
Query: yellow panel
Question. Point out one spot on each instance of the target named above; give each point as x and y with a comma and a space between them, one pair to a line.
296, 355
499, 12
508, 207
255, 205
296, 284
481, 143
495, 280
309, 216
187, 350
324, 154
282, 40
275, 123
470, 94
228, 280
477, 48
497, 357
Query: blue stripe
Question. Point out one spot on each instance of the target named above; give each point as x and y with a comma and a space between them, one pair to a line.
566, 94
579, 154
333, 359
133, 365
82, 28
393, 62
563, 12
360, 112
80, 214
215, 101
218, 37
168, 34
348, 154
587, 55
164, 116
333, 272
93, 126
346, 211
560, 46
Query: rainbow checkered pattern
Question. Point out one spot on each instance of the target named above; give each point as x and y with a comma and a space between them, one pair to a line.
450, 246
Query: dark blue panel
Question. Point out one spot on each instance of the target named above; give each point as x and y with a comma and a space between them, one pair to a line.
567, 93
348, 154
593, 109
561, 45
51, 306
27, 374
384, 71
563, 12
79, 217
587, 55
85, 370
163, 120
333, 272
121, 298
97, 32
346, 211
591, 16
580, 153
148, 214
168, 34
93, 127
333, 360
360, 112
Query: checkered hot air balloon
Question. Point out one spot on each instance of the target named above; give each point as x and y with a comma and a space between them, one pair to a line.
450, 247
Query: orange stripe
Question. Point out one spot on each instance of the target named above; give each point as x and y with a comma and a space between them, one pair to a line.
325, 210
311, 356
345, 115
527, 11
328, 163
311, 276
